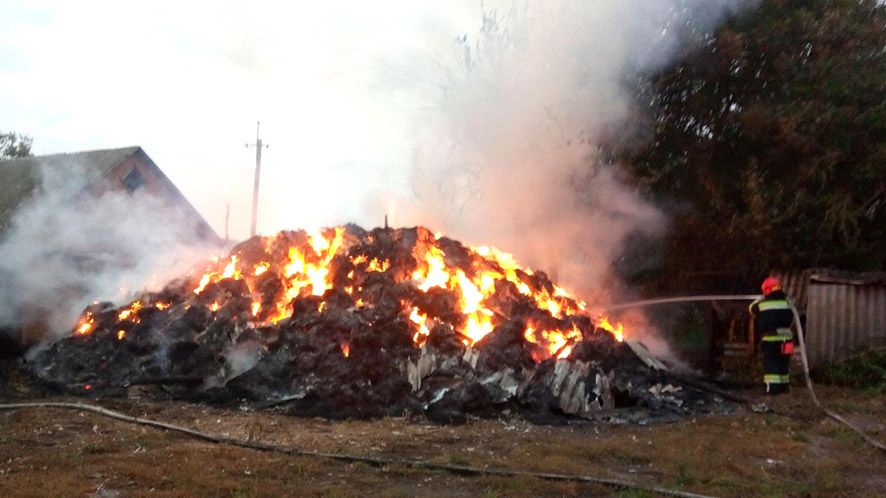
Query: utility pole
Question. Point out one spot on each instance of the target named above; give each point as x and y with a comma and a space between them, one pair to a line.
227, 218
258, 147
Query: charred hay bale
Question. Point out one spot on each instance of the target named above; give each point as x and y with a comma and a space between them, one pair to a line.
508, 301
387, 298
314, 351
455, 253
354, 231
538, 403
337, 324
524, 309
504, 347
446, 340
11, 344
182, 323
452, 405
391, 241
174, 290
376, 352
340, 272
219, 335
251, 250
252, 245
279, 245
446, 410
223, 291
154, 366
338, 300
94, 360
306, 308
392, 339
268, 336
249, 336
602, 350
439, 303
270, 377
192, 359
376, 280
327, 340
337, 398
270, 288
142, 338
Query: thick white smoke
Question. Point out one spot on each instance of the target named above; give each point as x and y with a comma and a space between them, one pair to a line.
509, 155
68, 247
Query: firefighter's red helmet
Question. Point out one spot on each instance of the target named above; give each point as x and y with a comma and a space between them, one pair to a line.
771, 284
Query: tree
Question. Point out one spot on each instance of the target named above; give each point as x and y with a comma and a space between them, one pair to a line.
769, 142
14, 145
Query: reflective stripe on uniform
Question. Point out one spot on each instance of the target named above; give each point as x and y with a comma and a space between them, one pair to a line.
753, 303
778, 338
775, 304
776, 379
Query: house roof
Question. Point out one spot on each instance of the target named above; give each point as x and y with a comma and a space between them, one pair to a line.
20, 176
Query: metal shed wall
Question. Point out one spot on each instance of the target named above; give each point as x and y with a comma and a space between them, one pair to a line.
843, 317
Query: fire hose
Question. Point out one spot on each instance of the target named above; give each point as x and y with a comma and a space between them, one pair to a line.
800, 335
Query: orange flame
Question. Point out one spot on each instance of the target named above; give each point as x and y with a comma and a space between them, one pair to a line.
85, 326
307, 271
129, 313
434, 274
617, 331
420, 319
377, 266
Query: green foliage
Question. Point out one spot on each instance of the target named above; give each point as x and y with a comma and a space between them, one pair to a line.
865, 371
14, 145
769, 143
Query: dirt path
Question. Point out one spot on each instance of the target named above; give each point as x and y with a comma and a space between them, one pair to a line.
793, 452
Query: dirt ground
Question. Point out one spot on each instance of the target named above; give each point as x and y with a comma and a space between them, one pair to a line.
793, 451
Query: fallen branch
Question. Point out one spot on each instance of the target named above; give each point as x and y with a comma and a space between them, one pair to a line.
375, 461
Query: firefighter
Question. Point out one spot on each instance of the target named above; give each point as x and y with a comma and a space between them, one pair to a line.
772, 320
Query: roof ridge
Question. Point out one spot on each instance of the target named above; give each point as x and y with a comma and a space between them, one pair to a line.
62, 154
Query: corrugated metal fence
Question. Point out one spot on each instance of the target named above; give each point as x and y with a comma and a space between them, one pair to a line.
845, 313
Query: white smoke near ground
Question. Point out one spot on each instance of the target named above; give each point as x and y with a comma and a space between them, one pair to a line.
69, 247
240, 358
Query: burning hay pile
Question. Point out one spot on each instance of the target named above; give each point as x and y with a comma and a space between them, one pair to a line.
349, 323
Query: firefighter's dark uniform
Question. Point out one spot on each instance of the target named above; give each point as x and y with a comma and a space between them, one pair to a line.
772, 320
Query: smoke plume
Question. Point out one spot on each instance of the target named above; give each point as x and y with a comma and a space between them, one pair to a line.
509, 154
68, 247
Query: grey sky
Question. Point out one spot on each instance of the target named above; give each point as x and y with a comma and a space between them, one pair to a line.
338, 87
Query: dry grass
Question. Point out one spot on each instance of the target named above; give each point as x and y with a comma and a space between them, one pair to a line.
793, 452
